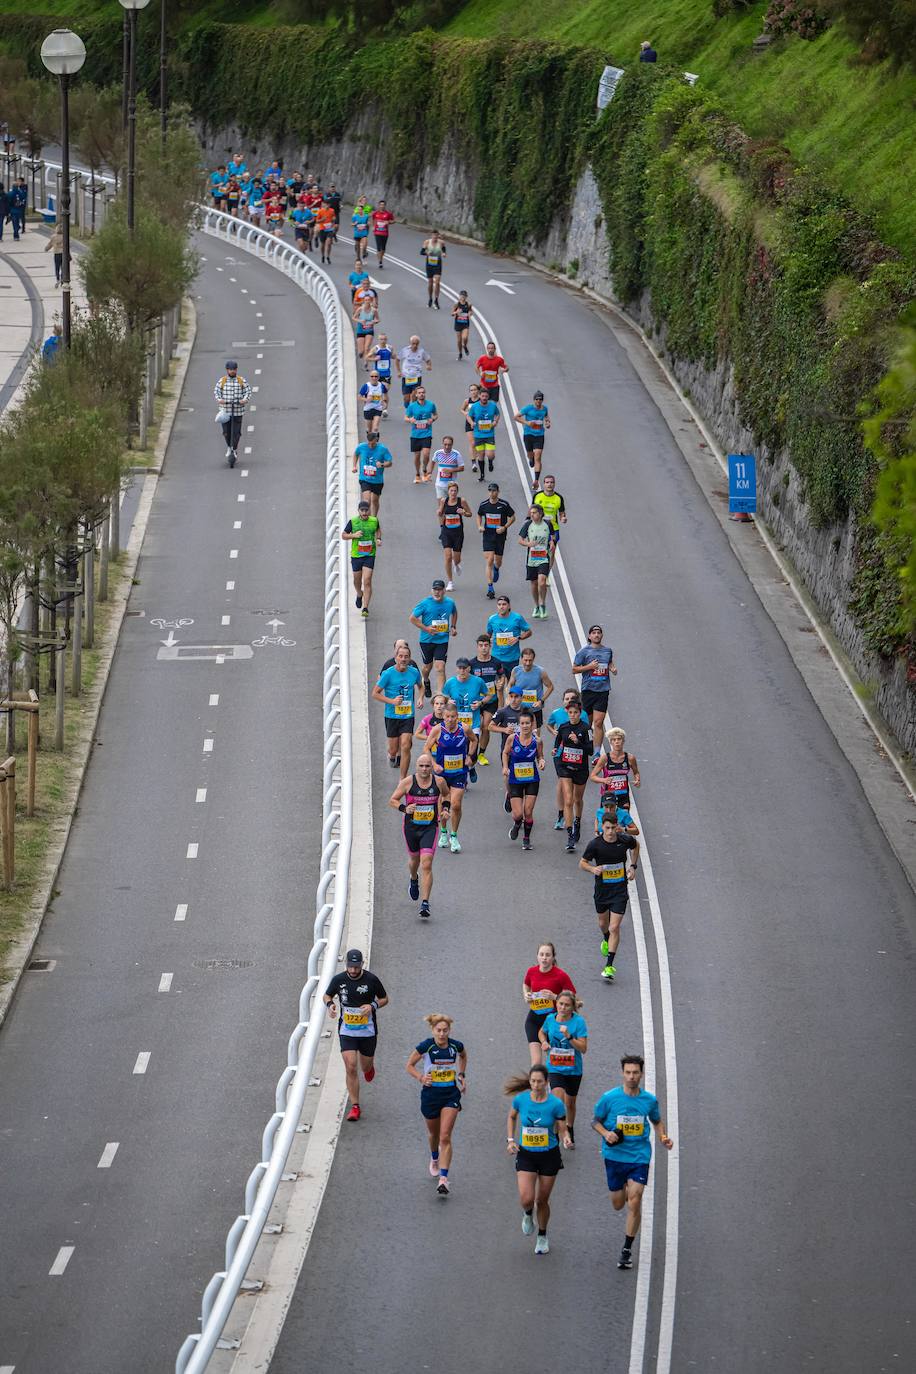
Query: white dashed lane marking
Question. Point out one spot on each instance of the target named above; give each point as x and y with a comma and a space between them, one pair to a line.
62, 1260
109, 1152
201, 795
214, 698
165, 982
208, 745
142, 1063
181, 911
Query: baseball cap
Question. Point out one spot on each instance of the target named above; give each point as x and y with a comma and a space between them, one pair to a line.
363, 505
354, 956
515, 691
230, 362
439, 583
538, 396
494, 486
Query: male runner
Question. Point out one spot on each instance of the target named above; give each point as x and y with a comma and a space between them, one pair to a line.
436, 617
622, 1118
490, 367
365, 534
360, 994
494, 516
370, 458
399, 689
607, 858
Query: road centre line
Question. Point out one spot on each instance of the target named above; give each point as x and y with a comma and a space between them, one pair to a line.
165, 982
201, 795
236, 524
233, 553
192, 850
640, 1317
181, 911
230, 586
61, 1261
142, 1063
208, 746
225, 620
108, 1154
214, 699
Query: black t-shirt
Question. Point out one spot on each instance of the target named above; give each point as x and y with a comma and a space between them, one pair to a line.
613, 857
355, 992
389, 663
499, 508
332, 198
506, 715
573, 746
488, 670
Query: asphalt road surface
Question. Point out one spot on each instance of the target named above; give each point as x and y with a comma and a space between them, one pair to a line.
789, 927
147, 1220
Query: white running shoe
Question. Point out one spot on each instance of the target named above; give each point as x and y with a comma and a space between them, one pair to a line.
455, 844
229, 451
541, 1247
527, 1224
449, 587
433, 1168
443, 839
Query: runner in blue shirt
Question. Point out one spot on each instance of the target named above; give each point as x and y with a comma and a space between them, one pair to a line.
467, 692
622, 1119
436, 617
399, 690
303, 222
507, 629
439, 1064
421, 415
219, 180
381, 357
370, 458
357, 277
594, 662
484, 415
536, 1119
534, 419
360, 221
451, 747
564, 1038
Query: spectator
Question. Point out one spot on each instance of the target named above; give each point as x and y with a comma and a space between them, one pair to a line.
55, 245
18, 197
647, 53
51, 345
4, 210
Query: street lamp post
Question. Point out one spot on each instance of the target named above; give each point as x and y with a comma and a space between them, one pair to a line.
63, 53
163, 73
132, 7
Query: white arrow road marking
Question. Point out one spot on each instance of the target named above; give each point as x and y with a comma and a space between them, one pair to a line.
171, 641
274, 624
502, 286
380, 285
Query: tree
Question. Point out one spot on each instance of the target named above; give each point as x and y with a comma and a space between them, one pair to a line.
169, 180
146, 272
97, 129
33, 108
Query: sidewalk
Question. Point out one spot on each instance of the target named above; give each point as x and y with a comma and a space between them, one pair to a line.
29, 302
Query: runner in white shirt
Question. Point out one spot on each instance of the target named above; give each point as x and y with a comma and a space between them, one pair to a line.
449, 463
412, 362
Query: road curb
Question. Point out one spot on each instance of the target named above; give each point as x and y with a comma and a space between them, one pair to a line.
124, 574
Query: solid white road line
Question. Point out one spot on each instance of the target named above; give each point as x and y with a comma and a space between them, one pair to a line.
61, 1262
214, 696
192, 850
108, 1154
165, 982
201, 795
142, 1063
181, 911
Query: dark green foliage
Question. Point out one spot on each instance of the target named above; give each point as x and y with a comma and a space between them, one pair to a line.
886, 28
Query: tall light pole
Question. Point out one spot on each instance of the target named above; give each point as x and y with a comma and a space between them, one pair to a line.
63, 53
132, 6
163, 64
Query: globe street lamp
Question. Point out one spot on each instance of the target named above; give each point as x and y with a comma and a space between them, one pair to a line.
63, 53
132, 6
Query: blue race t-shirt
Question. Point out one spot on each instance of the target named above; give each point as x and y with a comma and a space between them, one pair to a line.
501, 627
558, 1056
217, 182
537, 1121
467, 696
356, 277
533, 419
303, 215
622, 815
558, 716
360, 225
381, 359
632, 1114
483, 416
370, 459
395, 684
599, 680
436, 617
530, 682
421, 412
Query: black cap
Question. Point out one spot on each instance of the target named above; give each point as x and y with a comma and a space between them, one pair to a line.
363, 505
439, 583
354, 956
538, 396
494, 486
230, 362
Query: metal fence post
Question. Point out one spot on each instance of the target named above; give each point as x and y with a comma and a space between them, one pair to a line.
76, 665
60, 689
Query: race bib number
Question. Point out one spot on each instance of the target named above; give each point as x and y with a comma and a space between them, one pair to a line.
441, 1075
541, 1002
466, 718
504, 639
404, 708
438, 627
571, 755
562, 1058
534, 1139
355, 1018
600, 670
364, 546
453, 763
524, 772
630, 1125
490, 378
484, 426
492, 522
612, 873
369, 469
617, 782
530, 698
452, 522
411, 381
423, 815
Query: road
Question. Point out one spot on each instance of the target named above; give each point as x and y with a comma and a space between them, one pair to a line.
789, 927
190, 753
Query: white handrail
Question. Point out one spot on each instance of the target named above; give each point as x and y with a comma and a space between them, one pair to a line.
279, 1132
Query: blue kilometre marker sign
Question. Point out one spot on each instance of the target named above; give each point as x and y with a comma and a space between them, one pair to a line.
742, 483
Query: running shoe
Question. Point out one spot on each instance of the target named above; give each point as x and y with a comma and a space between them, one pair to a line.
495, 568
526, 844
490, 592
353, 1114
570, 845
442, 1190
604, 948
228, 452
429, 305
457, 567
609, 973
527, 1224
541, 1247
425, 912
443, 839
466, 353
369, 1074
572, 1135
626, 1259
436, 303
560, 822
394, 762
483, 760
434, 1168
577, 830
413, 889
449, 587
473, 774
507, 805
514, 832
455, 844
417, 480
427, 690
359, 602
365, 613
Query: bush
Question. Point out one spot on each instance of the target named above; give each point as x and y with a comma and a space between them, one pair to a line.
795, 16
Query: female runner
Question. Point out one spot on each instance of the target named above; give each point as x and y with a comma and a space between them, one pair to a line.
439, 1064
541, 986
535, 1119
564, 1040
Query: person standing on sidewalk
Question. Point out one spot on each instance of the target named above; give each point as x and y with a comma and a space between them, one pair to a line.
18, 198
232, 393
55, 245
4, 210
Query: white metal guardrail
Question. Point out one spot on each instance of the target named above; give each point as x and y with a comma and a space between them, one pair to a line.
336, 834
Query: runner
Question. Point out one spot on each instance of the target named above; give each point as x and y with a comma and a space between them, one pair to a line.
622, 1118
435, 716
494, 516
505, 723
452, 749
382, 220
559, 716
375, 400
564, 1040
615, 769
439, 1064
462, 311
371, 458
508, 629
472, 398
389, 662
365, 317
554, 508
448, 463
452, 511
357, 278
484, 416
421, 415
491, 672
233, 195
420, 797
275, 210
436, 617
399, 689
360, 221
361, 994
595, 662
523, 763
365, 534
325, 222
542, 984
572, 752
536, 536
232, 393
256, 202
411, 363
623, 817
533, 683
433, 251
607, 858
218, 183
490, 367
467, 692
535, 1117
381, 357
534, 419
303, 218
331, 198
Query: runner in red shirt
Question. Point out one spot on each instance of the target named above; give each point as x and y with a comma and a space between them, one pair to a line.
489, 366
541, 986
382, 218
